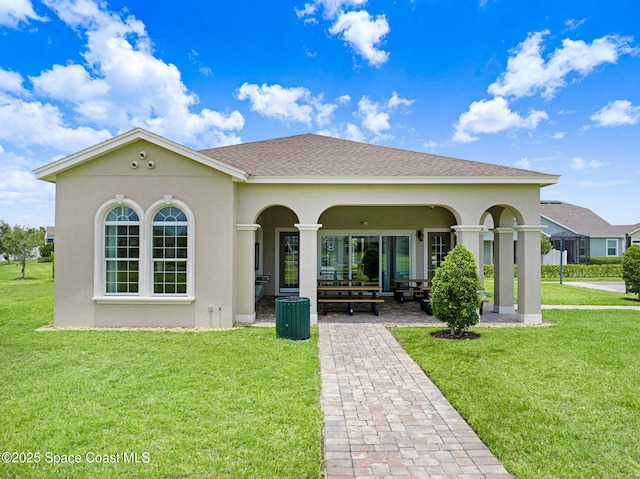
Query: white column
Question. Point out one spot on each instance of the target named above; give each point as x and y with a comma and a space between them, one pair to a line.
245, 273
529, 310
308, 265
470, 237
503, 270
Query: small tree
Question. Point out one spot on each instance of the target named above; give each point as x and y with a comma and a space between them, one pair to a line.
545, 245
454, 297
23, 243
631, 269
4, 229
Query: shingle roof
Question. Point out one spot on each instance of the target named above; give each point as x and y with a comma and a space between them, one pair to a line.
582, 220
310, 155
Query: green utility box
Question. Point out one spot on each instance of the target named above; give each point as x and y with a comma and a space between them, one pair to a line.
293, 319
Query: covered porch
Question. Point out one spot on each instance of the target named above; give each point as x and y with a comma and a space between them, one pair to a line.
378, 243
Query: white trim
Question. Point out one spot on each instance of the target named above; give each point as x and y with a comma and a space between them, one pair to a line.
99, 270
191, 251
406, 180
143, 300
606, 246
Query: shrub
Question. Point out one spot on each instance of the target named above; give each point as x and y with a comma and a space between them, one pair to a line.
454, 297
605, 260
581, 271
631, 269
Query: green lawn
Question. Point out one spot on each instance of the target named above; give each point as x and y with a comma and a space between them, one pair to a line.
235, 404
555, 293
551, 402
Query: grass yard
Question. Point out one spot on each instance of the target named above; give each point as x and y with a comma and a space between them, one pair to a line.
236, 404
555, 293
551, 402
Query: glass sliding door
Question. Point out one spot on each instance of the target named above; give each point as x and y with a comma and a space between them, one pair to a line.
365, 258
395, 260
334, 257
372, 258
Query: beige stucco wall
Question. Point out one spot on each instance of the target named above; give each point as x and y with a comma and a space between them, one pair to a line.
80, 193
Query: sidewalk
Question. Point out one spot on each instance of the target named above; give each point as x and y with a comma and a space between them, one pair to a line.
385, 418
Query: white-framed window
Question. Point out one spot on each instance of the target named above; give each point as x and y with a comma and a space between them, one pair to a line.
612, 247
170, 251
122, 251
144, 256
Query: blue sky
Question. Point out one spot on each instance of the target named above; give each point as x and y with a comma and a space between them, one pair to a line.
546, 85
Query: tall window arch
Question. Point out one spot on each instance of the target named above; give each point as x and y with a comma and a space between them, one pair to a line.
170, 251
122, 251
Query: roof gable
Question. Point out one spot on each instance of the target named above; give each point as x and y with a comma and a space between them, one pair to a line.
310, 156
50, 171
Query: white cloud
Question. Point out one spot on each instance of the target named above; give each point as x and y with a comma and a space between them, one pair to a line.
617, 113
375, 116
36, 123
123, 85
558, 135
493, 116
330, 7
395, 101
578, 163
363, 34
288, 104
529, 73
11, 82
523, 163
14, 12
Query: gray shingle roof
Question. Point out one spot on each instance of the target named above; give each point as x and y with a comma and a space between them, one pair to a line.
310, 155
582, 220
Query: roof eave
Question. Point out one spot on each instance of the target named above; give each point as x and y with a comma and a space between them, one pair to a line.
545, 180
49, 171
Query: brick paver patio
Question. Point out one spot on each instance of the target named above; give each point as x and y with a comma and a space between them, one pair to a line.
385, 418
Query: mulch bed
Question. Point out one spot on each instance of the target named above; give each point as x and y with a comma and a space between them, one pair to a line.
446, 334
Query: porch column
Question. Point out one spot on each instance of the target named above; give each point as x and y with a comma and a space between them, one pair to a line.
245, 273
308, 265
503, 270
529, 310
470, 237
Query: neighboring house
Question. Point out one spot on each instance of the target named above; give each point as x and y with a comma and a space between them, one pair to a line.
152, 233
50, 236
583, 233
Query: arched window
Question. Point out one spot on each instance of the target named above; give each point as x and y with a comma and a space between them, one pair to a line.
122, 251
170, 251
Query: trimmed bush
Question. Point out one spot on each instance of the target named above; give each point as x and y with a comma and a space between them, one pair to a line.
631, 269
605, 260
454, 297
581, 271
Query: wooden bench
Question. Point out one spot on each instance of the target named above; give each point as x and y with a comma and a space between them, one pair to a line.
419, 289
350, 295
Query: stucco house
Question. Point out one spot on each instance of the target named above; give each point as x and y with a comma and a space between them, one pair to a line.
152, 233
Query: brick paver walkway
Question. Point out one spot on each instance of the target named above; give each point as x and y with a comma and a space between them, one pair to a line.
385, 418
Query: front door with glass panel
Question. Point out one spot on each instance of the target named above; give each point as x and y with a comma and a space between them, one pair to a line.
289, 261
439, 246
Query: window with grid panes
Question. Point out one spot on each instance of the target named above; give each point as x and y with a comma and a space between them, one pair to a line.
122, 251
170, 251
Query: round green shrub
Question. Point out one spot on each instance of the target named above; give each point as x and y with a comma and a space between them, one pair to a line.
631, 269
454, 297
